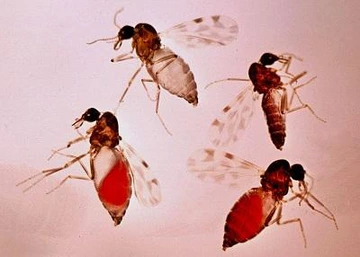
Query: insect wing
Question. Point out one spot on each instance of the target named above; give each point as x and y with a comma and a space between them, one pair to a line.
221, 167
234, 119
146, 186
217, 30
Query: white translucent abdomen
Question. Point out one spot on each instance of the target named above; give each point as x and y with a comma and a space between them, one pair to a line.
173, 74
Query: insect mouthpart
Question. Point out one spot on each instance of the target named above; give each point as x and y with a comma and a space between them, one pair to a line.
125, 33
90, 115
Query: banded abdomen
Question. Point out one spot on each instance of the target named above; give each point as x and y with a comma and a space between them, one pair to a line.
172, 73
271, 104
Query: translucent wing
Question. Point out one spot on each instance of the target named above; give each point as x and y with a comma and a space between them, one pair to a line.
215, 30
146, 186
234, 119
221, 167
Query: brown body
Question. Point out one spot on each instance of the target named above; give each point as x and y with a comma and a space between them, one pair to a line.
145, 42
105, 132
166, 68
267, 82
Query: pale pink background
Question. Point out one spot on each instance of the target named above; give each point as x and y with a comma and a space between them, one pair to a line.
49, 76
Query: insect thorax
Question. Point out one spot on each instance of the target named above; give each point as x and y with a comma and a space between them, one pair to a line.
146, 40
105, 132
277, 181
263, 78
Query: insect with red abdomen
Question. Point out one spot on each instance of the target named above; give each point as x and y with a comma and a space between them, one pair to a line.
167, 69
268, 82
261, 206
115, 170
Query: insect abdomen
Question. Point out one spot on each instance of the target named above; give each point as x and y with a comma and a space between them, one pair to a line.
113, 182
172, 73
248, 217
274, 118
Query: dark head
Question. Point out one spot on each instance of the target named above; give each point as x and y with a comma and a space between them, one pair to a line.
268, 59
90, 115
297, 172
124, 33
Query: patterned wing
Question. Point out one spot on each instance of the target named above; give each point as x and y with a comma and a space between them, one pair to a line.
146, 186
217, 30
234, 119
221, 167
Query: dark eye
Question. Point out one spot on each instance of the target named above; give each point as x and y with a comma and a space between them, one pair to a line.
268, 59
297, 172
126, 32
91, 115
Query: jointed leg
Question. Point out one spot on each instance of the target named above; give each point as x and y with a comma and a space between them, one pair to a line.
227, 79
279, 222
46, 173
304, 197
143, 81
70, 143
286, 60
157, 100
157, 109
286, 106
128, 86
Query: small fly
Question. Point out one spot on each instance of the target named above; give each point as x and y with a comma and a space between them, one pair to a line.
275, 104
167, 69
114, 170
261, 206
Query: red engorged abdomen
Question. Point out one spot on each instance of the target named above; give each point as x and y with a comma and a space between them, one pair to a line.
247, 218
115, 187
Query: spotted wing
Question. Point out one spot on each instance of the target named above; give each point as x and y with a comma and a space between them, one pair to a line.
221, 167
146, 186
217, 30
234, 119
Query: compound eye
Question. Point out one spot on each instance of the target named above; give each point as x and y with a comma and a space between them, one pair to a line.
268, 59
126, 32
91, 115
297, 172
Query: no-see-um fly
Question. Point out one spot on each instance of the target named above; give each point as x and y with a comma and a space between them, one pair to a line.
115, 170
268, 82
167, 69
261, 206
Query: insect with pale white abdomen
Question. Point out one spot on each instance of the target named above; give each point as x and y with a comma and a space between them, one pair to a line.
167, 69
114, 170
266, 81
261, 206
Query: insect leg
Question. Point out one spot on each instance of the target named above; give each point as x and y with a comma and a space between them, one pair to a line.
156, 99
223, 80
286, 60
304, 197
279, 222
65, 179
143, 81
128, 86
70, 143
46, 173
123, 57
303, 105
